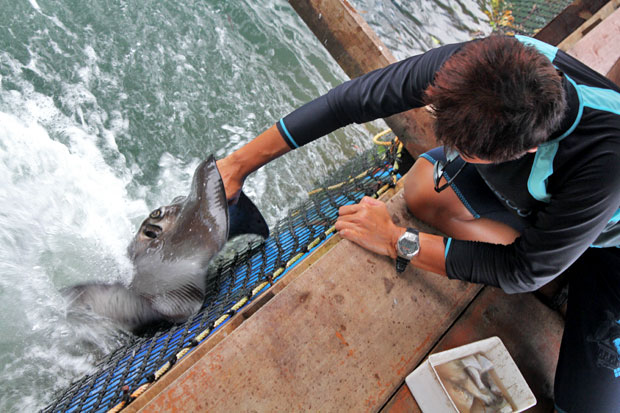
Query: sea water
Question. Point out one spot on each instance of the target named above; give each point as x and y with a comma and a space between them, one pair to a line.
106, 108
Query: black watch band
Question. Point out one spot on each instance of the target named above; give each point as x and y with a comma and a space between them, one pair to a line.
401, 264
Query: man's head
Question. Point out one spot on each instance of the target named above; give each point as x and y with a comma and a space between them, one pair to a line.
496, 99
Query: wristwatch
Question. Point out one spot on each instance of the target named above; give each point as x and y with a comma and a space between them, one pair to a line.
407, 247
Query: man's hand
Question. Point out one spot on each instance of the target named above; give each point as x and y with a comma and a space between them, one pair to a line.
231, 177
238, 165
369, 225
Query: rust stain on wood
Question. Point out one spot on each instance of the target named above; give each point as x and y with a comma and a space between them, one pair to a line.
341, 338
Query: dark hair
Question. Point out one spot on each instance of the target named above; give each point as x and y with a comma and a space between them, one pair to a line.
495, 99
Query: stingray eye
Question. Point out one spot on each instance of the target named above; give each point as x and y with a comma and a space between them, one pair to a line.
156, 214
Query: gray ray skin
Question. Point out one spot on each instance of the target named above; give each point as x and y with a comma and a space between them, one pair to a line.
170, 254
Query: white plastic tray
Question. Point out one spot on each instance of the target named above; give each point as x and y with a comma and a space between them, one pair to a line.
432, 397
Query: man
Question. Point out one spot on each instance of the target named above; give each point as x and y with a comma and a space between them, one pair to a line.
526, 184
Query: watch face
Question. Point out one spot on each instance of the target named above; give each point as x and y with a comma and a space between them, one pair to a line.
408, 244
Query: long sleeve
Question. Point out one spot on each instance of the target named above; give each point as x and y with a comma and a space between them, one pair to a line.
378, 94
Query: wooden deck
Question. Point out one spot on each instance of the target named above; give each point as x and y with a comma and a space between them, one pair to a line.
344, 333
339, 337
531, 332
597, 47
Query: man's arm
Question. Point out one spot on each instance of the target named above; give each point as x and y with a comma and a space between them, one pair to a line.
238, 165
378, 94
369, 225
563, 230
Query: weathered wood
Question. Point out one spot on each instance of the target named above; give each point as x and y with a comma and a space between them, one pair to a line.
599, 47
565, 23
345, 34
336, 339
531, 332
590, 24
245, 313
402, 402
614, 73
358, 50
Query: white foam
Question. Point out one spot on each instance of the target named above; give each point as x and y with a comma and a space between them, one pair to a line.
53, 190
35, 5
175, 178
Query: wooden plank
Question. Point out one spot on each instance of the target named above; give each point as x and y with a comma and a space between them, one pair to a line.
614, 73
246, 312
565, 23
402, 402
358, 50
345, 35
531, 332
339, 338
590, 24
599, 48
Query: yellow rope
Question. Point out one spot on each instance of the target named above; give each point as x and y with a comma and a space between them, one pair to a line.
336, 186
377, 138
259, 287
140, 390
396, 166
117, 408
377, 141
277, 273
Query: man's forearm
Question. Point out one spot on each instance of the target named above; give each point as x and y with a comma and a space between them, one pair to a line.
432, 254
238, 165
264, 148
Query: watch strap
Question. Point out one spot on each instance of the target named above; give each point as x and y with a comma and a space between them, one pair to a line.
401, 264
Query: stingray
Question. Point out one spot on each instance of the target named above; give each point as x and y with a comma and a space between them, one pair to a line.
170, 255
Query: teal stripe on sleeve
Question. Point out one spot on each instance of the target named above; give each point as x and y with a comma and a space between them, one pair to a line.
601, 99
591, 97
448, 247
542, 168
288, 135
428, 158
546, 49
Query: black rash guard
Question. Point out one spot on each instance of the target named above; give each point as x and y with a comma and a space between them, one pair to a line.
569, 190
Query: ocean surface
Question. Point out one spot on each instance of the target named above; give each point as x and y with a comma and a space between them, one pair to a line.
106, 108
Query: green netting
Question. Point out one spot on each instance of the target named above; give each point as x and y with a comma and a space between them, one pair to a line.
532, 15
233, 282
524, 16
